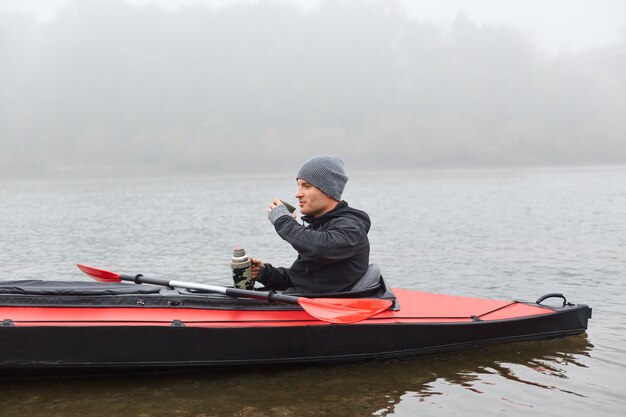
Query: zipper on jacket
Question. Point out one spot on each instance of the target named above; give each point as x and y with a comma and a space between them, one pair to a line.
308, 277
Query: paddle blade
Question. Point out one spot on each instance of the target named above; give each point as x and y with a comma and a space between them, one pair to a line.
99, 274
343, 310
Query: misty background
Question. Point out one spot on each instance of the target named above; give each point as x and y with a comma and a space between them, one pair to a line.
108, 87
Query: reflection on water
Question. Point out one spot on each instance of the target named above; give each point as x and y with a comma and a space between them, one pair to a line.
383, 388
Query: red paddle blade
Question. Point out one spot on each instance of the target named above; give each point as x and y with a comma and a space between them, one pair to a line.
343, 310
99, 274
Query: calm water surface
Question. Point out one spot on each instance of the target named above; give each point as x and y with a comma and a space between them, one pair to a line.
495, 233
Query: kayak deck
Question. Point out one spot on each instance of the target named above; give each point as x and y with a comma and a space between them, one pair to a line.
417, 307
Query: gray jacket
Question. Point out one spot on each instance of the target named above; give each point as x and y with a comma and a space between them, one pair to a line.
333, 251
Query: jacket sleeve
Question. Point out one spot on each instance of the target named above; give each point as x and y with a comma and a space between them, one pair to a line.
336, 243
274, 278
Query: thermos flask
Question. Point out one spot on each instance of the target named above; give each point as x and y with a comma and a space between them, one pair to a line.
242, 270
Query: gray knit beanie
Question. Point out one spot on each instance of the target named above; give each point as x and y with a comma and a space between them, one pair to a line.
326, 173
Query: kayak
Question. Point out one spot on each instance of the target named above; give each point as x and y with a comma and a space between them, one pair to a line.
83, 327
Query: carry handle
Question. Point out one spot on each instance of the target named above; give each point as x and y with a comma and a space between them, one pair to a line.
553, 295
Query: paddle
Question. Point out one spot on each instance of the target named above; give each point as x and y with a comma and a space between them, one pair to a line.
331, 310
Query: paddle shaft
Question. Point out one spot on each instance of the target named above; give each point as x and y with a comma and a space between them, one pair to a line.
338, 310
233, 292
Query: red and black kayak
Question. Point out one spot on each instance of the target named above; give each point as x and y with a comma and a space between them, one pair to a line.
61, 327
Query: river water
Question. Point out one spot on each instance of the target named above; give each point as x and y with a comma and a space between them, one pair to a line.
513, 234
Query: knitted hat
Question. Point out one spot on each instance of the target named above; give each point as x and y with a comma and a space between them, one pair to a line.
326, 173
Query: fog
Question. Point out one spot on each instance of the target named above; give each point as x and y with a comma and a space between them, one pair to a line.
110, 87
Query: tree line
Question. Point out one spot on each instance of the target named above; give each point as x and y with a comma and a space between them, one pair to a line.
110, 87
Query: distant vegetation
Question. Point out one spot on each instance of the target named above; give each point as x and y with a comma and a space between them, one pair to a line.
108, 87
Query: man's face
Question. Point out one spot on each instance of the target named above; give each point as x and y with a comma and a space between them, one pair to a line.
312, 200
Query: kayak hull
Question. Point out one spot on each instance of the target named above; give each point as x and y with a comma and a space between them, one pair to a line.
77, 337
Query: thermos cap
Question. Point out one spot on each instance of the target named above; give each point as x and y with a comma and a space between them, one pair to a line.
239, 252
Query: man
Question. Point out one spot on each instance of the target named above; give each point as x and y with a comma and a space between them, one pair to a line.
333, 250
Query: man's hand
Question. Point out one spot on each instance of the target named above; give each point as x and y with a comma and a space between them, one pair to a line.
278, 202
256, 265
275, 203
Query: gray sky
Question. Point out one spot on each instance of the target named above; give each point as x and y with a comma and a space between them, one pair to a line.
555, 26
